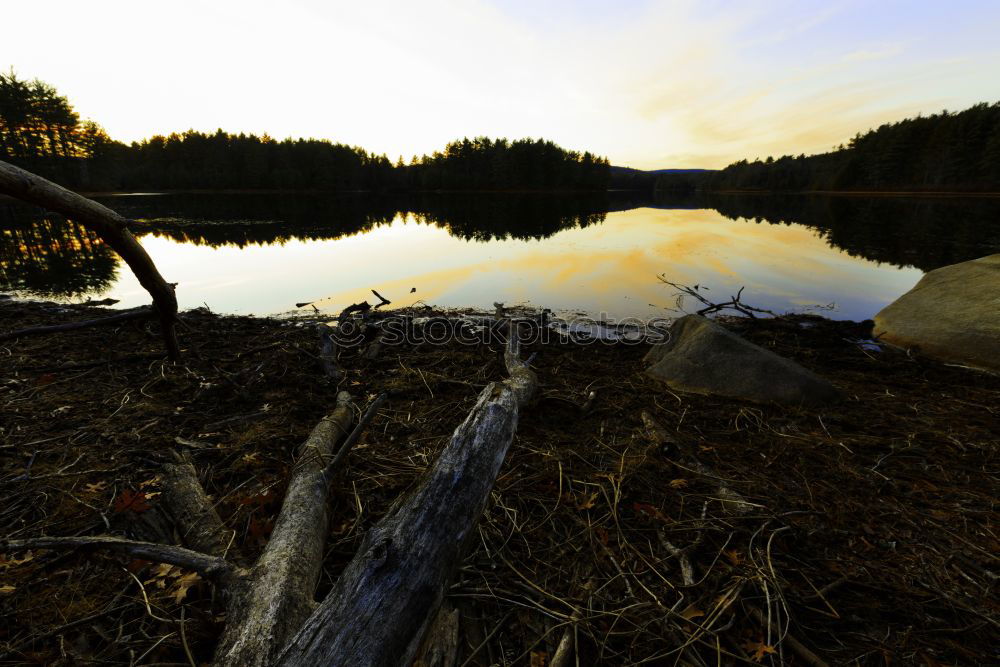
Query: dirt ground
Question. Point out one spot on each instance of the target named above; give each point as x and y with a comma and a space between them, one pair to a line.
866, 533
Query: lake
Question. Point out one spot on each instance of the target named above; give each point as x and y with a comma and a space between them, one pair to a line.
845, 257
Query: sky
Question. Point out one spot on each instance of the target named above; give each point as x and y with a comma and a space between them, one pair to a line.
649, 84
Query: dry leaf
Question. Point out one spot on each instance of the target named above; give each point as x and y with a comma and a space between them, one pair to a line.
589, 502
149, 482
539, 658
650, 511
678, 483
733, 556
758, 650
8, 562
180, 588
130, 501
136, 565
7, 589
95, 488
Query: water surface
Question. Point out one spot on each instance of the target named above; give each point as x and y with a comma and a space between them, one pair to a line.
262, 253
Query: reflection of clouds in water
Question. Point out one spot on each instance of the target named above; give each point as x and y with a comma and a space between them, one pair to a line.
782, 267
610, 267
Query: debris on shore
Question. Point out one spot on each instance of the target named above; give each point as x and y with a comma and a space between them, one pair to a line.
628, 524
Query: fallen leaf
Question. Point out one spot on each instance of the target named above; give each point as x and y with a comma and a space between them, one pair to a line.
649, 510
95, 488
7, 590
181, 586
131, 501
149, 482
758, 650
539, 658
589, 502
8, 562
733, 556
678, 483
136, 565
163, 570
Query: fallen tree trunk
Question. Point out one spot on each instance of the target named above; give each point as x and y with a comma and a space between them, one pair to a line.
267, 602
278, 593
111, 227
383, 603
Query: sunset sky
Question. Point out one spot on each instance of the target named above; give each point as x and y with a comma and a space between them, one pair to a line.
649, 84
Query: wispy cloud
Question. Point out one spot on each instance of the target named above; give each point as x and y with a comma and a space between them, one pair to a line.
650, 83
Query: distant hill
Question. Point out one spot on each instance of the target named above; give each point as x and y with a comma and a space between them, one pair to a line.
627, 178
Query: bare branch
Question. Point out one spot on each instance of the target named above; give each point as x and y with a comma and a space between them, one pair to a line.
212, 567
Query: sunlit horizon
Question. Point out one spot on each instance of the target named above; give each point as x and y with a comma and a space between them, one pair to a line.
648, 84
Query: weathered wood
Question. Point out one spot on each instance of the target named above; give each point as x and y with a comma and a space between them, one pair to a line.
440, 647
328, 353
111, 227
268, 602
379, 610
188, 504
127, 316
278, 593
565, 651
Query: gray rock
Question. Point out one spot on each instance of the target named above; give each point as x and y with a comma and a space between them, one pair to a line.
705, 358
952, 314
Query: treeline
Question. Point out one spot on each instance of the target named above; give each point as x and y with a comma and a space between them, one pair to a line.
40, 131
195, 160
525, 164
949, 151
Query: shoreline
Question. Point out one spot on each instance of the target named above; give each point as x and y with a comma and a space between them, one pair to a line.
945, 194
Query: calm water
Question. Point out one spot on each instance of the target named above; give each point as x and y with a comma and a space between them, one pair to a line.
262, 253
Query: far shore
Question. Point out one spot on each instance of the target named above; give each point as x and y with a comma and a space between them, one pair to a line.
832, 193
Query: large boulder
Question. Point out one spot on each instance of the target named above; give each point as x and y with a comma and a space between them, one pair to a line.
952, 314
703, 357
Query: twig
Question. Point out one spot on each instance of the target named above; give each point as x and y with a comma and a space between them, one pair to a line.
800, 649
351, 439
734, 302
385, 301
140, 314
209, 566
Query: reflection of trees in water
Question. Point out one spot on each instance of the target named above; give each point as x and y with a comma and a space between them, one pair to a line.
46, 255
923, 232
226, 219
49, 256
494, 217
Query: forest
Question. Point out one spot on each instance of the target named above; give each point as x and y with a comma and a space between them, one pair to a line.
944, 152
41, 132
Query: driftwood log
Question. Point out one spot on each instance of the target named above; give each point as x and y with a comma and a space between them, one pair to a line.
269, 600
384, 603
111, 227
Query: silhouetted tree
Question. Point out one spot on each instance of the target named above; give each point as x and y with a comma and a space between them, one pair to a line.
946, 151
